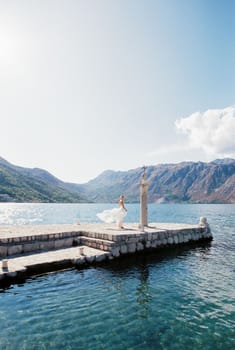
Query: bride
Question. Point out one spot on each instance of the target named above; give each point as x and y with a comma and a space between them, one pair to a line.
114, 215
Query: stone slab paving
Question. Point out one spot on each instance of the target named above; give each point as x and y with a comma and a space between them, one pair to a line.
97, 241
73, 254
34, 230
132, 228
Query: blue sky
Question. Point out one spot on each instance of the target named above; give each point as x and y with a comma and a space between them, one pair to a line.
92, 85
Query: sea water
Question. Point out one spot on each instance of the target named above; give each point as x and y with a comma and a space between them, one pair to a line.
179, 299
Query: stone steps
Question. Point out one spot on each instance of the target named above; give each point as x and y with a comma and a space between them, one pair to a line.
118, 242
97, 243
31, 244
26, 249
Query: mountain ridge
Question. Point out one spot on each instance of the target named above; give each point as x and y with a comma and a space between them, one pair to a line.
185, 182
194, 182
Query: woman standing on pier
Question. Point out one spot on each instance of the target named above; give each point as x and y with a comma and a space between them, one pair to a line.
114, 215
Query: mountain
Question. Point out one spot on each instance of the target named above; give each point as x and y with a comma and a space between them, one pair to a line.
18, 184
186, 182
192, 182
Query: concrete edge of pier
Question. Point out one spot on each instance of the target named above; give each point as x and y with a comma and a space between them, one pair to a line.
30, 250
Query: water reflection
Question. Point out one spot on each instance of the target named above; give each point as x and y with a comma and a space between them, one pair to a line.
143, 291
181, 298
142, 260
144, 299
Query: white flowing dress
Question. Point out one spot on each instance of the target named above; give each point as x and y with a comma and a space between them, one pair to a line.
112, 215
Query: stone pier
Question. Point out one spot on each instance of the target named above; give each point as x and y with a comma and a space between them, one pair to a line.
29, 250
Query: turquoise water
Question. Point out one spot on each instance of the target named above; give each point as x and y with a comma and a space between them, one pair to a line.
177, 299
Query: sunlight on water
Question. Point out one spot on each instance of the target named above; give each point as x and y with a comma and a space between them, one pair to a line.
21, 214
28, 214
180, 299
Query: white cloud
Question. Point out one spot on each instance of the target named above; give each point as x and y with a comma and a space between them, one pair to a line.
212, 131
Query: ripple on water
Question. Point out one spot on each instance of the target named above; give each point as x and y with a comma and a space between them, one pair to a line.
180, 299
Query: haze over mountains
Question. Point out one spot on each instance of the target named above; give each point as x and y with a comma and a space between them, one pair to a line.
186, 182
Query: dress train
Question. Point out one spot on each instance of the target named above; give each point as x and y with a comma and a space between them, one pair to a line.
112, 215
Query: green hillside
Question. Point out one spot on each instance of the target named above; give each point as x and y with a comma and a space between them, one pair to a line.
18, 184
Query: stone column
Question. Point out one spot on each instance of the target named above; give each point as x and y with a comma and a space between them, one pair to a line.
143, 201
